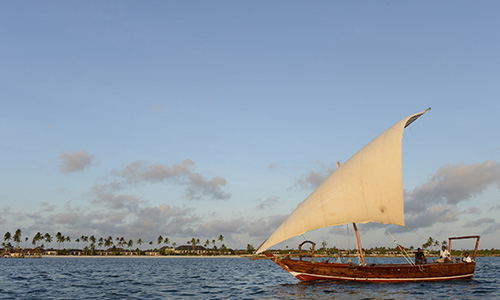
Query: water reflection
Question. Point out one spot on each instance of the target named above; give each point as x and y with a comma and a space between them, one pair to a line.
212, 278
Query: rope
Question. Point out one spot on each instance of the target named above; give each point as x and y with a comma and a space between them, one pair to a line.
423, 237
403, 251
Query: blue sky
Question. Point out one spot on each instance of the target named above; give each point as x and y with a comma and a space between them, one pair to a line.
201, 118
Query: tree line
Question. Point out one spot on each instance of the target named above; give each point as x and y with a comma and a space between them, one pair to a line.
92, 242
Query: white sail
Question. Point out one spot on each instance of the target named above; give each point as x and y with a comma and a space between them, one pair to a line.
367, 188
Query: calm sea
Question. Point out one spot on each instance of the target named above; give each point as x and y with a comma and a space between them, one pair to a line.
211, 278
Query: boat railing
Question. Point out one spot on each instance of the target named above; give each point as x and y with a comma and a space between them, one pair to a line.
306, 255
477, 237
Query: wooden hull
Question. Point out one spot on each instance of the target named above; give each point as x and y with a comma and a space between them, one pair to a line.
387, 273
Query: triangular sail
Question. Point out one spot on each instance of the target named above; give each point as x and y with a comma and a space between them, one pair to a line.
367, 188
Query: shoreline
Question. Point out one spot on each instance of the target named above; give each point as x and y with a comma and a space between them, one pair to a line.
214, 256
143, 256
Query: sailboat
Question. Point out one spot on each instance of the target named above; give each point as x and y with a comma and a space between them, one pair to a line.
367, 188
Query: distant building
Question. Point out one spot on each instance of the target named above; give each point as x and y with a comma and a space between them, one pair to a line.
50, 251
152, 253
75, 252
187, 249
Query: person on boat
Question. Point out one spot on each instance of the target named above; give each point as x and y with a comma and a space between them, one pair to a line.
444, 255
420, 257
467, 258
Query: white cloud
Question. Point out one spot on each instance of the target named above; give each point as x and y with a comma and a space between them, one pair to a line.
312, 179
75, 161
493, 228
197, 186
224, 227
435, 201
455, 183
433, 214
479, 222
264, 227
268, 203
112, 210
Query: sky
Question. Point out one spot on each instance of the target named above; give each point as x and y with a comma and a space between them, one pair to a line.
195, 119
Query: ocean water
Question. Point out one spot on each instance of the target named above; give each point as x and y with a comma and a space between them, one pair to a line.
212, 278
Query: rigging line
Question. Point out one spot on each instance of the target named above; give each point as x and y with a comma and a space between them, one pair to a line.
403, 251
423, 237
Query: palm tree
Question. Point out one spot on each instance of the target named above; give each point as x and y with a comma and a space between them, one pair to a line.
108, 242
139, 241
59, 239
324, 244
194, 242
7, 237
38, 237
92, 244
159, 240
17, 237
101, 242
221, 239
130, 244
68, 239
166, 241
48, 239
120, 241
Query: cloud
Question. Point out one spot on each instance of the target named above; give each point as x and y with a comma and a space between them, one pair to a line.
112, 209
268, 203
224, 227
495, 207
106, 195
273, 166
455, 183
164, 219
157, 107
436, 213
264, 227
493, 228
479, 222
75, 161
66, 218
121, 201
145, 221
47, 207
197, 186
435, 201
312, 179
471, 210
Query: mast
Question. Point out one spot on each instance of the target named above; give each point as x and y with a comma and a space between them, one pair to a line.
359, 243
